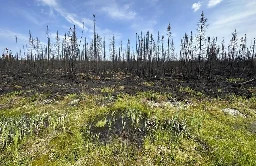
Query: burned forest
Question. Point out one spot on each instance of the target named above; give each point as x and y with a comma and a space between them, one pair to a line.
81, 100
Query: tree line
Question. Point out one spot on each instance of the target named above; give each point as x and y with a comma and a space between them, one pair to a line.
199, 56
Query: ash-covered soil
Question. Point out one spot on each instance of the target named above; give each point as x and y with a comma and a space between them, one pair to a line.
62, 84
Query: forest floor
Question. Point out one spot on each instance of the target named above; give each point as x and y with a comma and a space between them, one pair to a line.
121, 119
61, 84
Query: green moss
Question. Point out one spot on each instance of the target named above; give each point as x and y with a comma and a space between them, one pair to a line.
101, 123
196, 134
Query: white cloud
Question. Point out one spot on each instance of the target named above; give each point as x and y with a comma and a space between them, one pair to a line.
10, 35
107, 33
144, 26
213, 3
30, 17
52, 3
50, 12
224, 20
88, 22
70, 17
8, 40
116, 9
117, 12
234, 18
196, 6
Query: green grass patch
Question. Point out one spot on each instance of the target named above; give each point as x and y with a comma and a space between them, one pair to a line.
144, 129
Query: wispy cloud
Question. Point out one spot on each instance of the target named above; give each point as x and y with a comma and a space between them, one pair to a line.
70, 17
213, 3
8, 40
119, 12
50, 13
10, 35
88, 23
234, 18
196, 6
224, 21
30, 17
52, 3
115, 9
107, 33
144, 26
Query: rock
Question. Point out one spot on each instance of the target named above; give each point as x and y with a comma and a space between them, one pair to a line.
2, 106
175, 104
252, 127
232, 112
74, 102
47, 101
153, 104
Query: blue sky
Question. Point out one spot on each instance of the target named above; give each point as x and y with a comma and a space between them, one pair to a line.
123, 18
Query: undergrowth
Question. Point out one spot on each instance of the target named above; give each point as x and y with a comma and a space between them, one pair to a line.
144, 129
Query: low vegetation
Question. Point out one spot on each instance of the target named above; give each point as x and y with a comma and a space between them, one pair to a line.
147, 128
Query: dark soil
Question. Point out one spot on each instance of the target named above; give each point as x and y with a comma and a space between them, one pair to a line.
62, 84
129, 125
